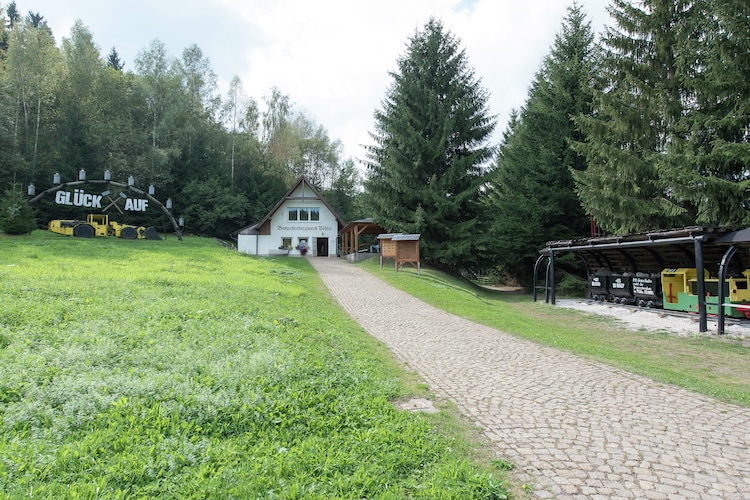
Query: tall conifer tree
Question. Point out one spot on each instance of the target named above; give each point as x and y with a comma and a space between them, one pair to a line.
533, 198
644, 94
426, 170
709, 158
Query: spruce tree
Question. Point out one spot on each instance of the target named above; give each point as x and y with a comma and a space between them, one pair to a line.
113, 60
643, 97
427, 168
16, 215
533, 198
709, 158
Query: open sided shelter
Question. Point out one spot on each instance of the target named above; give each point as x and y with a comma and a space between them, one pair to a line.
402, 248
350, 235
702, 248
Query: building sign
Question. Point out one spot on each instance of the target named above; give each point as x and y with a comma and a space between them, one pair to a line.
303, 228
79, 198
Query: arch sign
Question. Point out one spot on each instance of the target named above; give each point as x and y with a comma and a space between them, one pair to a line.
107, 200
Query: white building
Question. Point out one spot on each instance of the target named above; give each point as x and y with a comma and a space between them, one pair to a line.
301, 219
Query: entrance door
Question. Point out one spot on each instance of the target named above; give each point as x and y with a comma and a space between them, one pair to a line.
322, 247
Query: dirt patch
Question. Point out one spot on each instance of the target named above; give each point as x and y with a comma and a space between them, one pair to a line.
416, 404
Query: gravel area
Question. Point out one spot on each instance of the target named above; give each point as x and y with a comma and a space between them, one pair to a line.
655, 320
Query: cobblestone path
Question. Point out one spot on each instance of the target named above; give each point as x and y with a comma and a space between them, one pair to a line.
574, 428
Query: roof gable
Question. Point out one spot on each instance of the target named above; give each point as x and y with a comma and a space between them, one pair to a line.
301, 190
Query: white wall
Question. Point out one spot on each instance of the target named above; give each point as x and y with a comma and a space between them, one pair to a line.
246, 243
326, 227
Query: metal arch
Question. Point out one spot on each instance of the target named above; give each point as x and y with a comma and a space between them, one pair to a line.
549, 274
600, 258
585, 264
536, 273
164, 209
551, 277
630, 259
690, 255
725, 260
550, 289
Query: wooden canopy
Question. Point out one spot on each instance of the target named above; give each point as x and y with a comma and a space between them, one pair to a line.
351, 232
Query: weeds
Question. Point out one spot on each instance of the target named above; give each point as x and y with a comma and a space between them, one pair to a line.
181, 370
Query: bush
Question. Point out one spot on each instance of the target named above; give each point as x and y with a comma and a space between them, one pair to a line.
572, 286
16, 215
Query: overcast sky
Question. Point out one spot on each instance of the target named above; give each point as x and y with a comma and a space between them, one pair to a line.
331, 57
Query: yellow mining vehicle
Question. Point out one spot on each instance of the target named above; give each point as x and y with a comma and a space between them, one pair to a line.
100, 225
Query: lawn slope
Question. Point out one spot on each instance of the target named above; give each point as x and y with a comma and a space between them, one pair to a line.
166, 369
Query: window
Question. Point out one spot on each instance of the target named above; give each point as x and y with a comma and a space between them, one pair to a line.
286, 243
304, 214
303, 241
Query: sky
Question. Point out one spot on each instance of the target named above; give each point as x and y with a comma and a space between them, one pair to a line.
331, 57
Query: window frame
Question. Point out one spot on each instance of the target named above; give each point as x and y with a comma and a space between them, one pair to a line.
303, 214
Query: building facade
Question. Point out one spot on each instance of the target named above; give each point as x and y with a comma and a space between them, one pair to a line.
301, 223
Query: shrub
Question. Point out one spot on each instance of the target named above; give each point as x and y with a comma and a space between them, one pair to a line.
16, 215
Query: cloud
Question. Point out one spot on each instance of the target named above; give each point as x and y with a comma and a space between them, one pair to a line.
331, 57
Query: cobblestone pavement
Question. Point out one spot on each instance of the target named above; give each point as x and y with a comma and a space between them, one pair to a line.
574, 428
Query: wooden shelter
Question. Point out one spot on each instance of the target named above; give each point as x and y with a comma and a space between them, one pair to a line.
351, 232
402, 248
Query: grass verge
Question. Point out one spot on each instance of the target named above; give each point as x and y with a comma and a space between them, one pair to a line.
716, 367
142, 369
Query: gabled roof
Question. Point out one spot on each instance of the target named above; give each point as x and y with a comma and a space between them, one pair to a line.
305, 183
363, 226
399, 237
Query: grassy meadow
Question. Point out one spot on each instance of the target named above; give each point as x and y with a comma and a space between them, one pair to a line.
717, 367
167, 369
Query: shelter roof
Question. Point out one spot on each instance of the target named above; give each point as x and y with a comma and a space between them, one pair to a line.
651, 251
406, 237
735, 237
363, 226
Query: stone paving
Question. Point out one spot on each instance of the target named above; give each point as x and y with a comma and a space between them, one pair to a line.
574, 428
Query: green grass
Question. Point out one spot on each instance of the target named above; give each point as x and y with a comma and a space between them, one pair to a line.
143, 369
713, 366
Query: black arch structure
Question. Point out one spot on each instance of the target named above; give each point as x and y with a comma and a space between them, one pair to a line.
733, 242
651, 252
53, 189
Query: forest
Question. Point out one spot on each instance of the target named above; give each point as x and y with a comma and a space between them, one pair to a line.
644, 126
223, 160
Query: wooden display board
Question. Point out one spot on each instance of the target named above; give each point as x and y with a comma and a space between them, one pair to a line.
402, 248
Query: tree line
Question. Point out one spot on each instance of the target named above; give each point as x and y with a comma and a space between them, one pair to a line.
645, 127
224, 160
